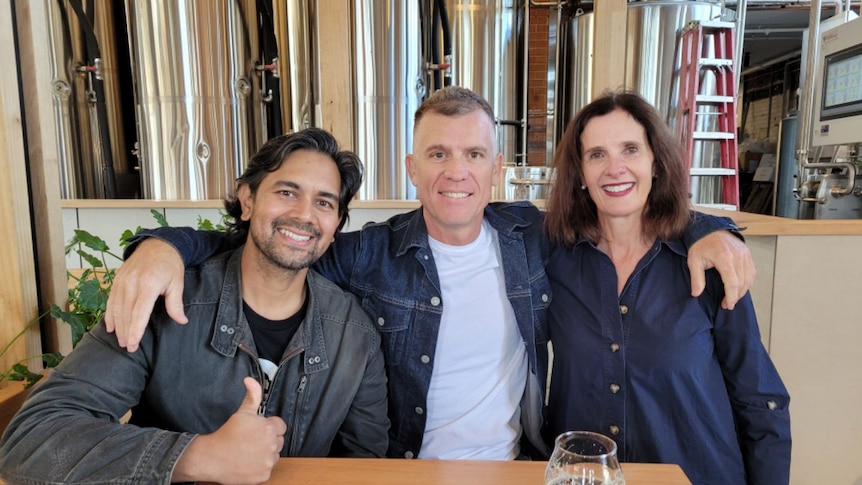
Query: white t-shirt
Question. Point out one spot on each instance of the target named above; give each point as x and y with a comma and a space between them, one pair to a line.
480, 367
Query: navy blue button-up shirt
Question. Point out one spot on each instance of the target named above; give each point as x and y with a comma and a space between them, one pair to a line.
669, 377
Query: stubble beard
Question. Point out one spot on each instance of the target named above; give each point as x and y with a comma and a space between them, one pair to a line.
267, 246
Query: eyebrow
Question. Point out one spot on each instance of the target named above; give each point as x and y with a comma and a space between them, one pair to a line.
474, 148
294, 185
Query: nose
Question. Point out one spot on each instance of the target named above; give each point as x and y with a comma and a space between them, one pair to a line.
456, 168
301, 208
616, 166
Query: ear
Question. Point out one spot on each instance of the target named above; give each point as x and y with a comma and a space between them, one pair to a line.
246, 201
498, 166
411, 167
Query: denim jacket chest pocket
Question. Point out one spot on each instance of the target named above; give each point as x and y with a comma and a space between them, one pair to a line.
542, 296
395, 319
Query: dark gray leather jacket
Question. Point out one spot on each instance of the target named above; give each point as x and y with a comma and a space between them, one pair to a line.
184, 380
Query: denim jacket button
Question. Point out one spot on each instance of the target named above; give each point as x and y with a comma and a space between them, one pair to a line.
615, 346
419, 410
380, 321
545, 298
408, 454
614, 429
624, 309
615, 388
223, 328
435, 301
425, 359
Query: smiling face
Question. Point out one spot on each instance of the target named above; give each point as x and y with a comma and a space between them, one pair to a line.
617, 166
454, 166
294, 215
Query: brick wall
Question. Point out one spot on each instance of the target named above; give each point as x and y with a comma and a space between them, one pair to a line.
537, 87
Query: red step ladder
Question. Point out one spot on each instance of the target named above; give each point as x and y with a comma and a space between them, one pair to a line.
697, 60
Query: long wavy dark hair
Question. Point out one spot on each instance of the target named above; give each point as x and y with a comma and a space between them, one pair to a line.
269, 159
573, 214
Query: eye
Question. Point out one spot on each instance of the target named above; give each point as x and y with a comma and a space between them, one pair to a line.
632, 149
287, 193
476, 155
595, 155
438, 155
327, 204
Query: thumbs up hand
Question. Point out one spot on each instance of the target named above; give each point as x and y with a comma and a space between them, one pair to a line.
242, 451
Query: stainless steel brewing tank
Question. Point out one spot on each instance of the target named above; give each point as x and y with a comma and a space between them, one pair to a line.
389, 87
77, 137
292, 21
390, 79
651, 68
193, 66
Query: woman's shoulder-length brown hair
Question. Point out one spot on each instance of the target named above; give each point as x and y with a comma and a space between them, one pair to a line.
572, 214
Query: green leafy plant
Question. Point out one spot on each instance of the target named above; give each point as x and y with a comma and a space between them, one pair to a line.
88, 296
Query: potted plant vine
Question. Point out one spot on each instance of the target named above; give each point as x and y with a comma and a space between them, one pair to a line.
88, 296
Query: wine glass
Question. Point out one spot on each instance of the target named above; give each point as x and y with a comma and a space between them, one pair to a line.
584, 458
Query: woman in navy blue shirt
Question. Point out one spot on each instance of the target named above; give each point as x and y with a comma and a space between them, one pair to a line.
670, 377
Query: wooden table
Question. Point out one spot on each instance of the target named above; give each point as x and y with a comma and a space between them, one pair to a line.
324, 471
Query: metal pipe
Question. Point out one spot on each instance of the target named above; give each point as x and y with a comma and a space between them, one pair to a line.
806, 105
555, 89
525, 92
771, 62
552, 3
741, 9
785, 4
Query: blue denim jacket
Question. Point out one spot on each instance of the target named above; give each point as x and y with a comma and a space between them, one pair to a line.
330, 388
389, 265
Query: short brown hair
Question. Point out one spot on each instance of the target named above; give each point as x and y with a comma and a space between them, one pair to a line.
453, 101
573, 214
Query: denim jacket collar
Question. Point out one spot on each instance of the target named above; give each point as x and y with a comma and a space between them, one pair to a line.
416, 233
231, 329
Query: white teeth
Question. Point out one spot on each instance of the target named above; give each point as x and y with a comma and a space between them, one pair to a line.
618, 188
294, 236
455, 195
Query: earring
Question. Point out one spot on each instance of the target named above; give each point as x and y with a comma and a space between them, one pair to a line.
583, 187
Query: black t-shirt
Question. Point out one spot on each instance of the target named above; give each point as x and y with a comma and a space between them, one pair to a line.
272, 336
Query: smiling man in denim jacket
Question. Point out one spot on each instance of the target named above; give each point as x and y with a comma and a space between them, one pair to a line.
278, 361
457, 287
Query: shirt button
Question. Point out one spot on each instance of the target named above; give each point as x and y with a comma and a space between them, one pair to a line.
380, 321
230, 331
419, 410
771, 405
223, 328
615, 346
624, 309
435, 301
408, 454
425, 359
426, 259
545, 298
615, 388
615, 430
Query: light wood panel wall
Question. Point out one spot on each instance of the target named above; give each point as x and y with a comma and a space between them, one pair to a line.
609, 58
43, 160
18, 284
335, 70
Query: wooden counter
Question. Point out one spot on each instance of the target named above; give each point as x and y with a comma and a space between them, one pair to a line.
760, 225
324, 471
756, 224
